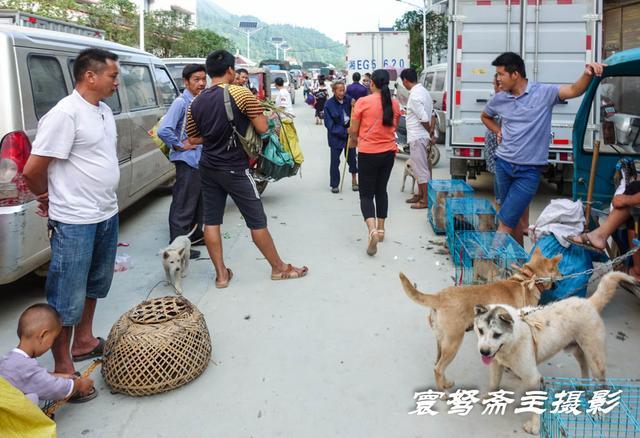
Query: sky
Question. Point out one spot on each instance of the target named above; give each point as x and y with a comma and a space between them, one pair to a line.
333, 20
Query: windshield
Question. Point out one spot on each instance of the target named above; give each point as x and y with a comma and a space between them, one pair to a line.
275, 75
618, 115
176, 72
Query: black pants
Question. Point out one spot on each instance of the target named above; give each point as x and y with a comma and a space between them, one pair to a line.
186, 205
334, 167
374, 172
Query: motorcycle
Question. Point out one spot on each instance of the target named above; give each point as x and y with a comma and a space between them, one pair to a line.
403, 144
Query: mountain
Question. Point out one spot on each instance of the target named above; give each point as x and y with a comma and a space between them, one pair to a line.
306, 44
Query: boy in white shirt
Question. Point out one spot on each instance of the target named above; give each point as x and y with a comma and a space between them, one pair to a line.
283, 98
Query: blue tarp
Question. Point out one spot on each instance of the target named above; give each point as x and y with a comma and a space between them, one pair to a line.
574, 259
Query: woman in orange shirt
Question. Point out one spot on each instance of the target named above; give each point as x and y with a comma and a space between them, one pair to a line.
373, 122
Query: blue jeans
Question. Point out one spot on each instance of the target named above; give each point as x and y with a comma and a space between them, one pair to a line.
82, 264
517, 185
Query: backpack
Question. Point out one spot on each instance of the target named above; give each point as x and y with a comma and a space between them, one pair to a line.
251, 140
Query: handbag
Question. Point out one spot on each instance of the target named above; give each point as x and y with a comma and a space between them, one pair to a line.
251, 141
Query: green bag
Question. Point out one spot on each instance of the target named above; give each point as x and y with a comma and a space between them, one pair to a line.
275, 163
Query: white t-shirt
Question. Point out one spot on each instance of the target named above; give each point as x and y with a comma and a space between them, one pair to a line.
84, 177
283, 100
419, 109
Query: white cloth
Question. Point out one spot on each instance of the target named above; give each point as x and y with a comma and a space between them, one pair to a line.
419, 109
562, 218
283, 100
85, 174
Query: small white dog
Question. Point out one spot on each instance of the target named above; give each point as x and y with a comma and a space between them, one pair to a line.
408, 172
519, 339
175, 260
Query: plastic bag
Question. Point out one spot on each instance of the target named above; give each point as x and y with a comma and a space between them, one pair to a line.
123, 262
20, 417
290, 142
310, 100
153, 133
275, 162
574, 259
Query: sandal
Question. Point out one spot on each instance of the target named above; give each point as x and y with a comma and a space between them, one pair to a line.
420, 205
413, 199
380, 235
372, 247
96, 352
290, 273
224, 284
584, 243
84, 398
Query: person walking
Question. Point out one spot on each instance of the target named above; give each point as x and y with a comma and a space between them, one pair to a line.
306, 86
321, 95
185, 211
337, 113
356, 90
418, 117
373, 125
224, 166
524, 137
283, 97
73, 171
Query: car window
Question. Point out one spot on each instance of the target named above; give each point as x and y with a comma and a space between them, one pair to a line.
428, 81
439, 86
176, 72
138, 86
275, 75
168, 91
112, 101
47, 83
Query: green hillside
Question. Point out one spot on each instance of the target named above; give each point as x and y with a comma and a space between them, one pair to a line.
307, 44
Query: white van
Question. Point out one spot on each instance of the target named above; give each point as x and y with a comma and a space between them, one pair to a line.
35, 73
433, 78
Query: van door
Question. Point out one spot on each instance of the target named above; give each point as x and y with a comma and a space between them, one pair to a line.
148, 162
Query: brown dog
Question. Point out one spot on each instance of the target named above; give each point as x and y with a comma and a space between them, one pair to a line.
453, 307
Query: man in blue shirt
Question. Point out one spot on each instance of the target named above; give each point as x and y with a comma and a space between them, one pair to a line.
186, 205
524, 135
356, 90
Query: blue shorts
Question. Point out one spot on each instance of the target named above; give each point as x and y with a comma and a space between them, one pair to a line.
82, 264
517, 185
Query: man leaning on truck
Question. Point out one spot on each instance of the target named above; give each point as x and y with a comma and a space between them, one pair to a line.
523, 138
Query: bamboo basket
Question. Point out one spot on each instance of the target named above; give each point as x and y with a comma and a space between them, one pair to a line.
157, 346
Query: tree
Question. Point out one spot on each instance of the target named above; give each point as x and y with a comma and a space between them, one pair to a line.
436, 34
118, 18
198, 43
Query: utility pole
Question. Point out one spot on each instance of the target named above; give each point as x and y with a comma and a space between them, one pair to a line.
142, 8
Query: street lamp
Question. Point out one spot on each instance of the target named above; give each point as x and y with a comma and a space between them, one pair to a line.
248, 28
285, 47
277, 42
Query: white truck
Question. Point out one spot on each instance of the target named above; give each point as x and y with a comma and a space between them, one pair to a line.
556, 39
368, 51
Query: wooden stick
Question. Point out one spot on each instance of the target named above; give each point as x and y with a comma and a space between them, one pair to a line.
57, 405
592, 181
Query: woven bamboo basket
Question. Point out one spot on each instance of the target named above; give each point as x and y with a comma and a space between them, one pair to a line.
157, 346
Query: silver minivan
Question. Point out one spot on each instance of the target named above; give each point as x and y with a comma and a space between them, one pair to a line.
434, 79
35, 73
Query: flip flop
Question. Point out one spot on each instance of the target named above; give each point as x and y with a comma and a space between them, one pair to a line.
372, 247
290, 273
419, 205
96, 352
585, 243
84, 398
224, 284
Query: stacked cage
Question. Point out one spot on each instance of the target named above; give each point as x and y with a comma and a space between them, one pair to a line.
618, 416
485, 257
439, 191
467, 214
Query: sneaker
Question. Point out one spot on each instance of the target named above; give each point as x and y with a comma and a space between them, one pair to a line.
194, 254
355, 187
335, 190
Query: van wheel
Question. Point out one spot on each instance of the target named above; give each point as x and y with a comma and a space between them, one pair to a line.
262, 186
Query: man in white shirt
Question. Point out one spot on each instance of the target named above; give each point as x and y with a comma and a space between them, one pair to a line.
283, 98
419, 130
73, 171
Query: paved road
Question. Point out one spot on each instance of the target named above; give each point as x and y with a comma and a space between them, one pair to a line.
337, 354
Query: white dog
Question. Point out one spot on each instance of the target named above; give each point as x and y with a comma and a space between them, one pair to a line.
175, 260
408, 172
519, 339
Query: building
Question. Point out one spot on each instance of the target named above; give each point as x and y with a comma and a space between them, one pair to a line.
187, 7
621, 26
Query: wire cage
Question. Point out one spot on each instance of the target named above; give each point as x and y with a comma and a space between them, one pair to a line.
485, 257
467, 214
614, 420
438, 192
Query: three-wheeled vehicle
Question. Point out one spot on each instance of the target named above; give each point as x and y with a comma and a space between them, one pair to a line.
260, 80
606, 134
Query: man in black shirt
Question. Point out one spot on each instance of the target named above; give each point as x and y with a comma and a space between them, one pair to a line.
224, 166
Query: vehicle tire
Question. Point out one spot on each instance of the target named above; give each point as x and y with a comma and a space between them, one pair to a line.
434, 156
261, 186
458, 169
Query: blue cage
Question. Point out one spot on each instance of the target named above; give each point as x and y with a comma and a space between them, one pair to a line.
438, 192
485, 257
621, 421
467, 214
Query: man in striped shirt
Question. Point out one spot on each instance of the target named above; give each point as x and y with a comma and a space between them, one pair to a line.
224, 165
